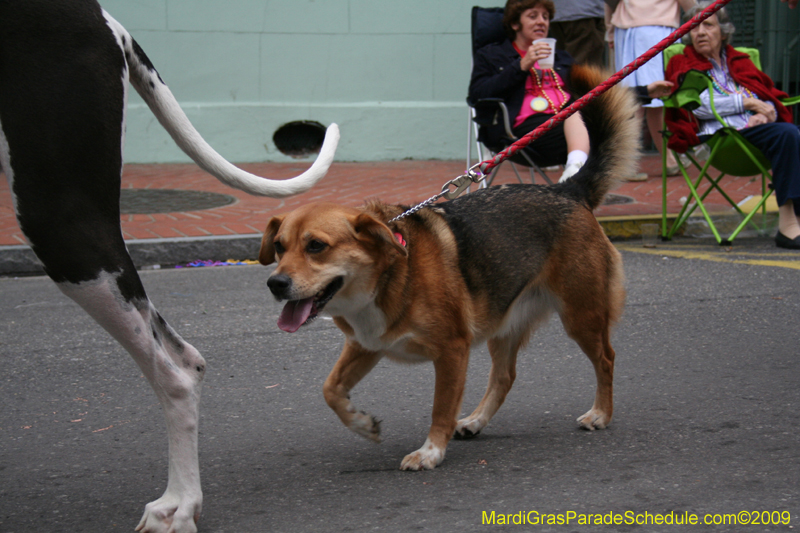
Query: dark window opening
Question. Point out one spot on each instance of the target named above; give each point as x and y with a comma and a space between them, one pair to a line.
300, 138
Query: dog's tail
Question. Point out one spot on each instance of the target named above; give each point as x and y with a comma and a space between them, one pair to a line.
165, 107
614, 136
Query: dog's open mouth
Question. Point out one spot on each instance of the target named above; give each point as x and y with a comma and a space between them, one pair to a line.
296, 313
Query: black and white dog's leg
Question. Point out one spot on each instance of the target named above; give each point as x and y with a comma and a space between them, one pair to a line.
62, 116
113, 295
175, 370
90, 264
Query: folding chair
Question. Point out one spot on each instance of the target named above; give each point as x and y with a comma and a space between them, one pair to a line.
730, 154
487, 28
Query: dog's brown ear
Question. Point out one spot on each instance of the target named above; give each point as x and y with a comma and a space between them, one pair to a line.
369, 228
267, 254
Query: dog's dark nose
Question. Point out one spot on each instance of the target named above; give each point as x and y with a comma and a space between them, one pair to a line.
279, 284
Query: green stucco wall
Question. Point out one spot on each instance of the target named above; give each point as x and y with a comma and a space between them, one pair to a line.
393, 75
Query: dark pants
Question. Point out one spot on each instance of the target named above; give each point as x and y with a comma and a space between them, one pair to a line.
548, 150
583, 39
780, 143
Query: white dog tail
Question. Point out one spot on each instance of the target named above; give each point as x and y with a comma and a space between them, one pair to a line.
165, 107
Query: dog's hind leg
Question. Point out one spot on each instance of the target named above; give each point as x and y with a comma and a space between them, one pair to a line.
589, 282
175, 370
533, 307
62, 110
587, 318
501, 378
593, 338
354, 363
83, 252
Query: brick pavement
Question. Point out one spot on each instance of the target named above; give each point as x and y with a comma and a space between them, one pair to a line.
404, 182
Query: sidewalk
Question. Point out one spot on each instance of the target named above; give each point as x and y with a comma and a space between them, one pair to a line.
194, 232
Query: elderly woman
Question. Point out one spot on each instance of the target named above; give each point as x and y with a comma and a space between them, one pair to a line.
748, 101
510, 70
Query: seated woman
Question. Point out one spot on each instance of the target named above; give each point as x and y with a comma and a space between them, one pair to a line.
510, 70
748, 101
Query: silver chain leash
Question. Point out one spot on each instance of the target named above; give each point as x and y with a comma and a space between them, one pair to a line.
461, 183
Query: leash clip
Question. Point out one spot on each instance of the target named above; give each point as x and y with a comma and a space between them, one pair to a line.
461, 183
473, 175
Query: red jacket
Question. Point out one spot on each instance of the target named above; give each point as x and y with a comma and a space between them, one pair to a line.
683, 124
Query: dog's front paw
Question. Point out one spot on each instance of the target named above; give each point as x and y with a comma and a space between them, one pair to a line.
594, 419
426, 458
468, 428
367, 426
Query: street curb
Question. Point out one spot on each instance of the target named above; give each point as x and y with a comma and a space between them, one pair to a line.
21, 260
629, 227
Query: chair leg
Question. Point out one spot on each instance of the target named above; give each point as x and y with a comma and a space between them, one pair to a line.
514, 166
664, 149
469, 137
714, 184
534, 167
688, 208
699, 200
682, 216
472, 136
747, 219
487, 181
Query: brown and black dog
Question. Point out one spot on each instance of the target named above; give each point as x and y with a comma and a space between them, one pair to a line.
489, 266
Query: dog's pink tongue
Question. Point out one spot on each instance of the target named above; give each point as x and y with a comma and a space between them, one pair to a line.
295, 314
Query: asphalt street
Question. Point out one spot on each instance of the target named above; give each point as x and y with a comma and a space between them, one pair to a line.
706, 392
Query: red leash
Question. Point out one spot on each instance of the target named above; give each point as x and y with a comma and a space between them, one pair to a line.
478, 172
487, 165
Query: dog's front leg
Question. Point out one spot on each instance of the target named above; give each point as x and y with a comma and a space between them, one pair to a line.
354, 363
451, 375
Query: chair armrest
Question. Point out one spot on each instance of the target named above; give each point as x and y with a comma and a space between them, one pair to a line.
486, 101
687, 95
496, 102
792, 100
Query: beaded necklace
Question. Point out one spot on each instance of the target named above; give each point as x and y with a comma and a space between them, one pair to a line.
538, 104
539, 84
722, 87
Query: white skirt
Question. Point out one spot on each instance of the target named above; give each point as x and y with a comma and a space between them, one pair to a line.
629, 44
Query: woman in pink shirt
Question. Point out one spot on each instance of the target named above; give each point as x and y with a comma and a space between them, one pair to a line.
510, 70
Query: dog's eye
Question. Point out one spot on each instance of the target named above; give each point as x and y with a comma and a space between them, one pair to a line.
315, 246
279, 249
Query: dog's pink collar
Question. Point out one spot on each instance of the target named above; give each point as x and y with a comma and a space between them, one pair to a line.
400, 239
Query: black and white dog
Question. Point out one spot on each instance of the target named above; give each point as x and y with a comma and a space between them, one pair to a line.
64, 68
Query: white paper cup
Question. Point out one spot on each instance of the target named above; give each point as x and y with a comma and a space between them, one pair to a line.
550, 60
649, 235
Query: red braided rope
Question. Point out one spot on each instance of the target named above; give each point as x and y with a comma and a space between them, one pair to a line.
487, 165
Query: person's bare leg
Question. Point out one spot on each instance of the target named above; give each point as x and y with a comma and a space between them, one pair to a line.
577, 145
576, 134
788, 223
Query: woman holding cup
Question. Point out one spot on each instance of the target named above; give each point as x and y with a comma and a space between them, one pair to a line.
531, 76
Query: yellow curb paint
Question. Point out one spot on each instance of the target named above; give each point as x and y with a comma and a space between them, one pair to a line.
752, 202
657, 217
716, 257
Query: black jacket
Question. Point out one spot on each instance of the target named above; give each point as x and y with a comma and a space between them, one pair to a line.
496, 74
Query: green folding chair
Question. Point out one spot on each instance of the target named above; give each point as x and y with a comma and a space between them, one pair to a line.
730, 154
